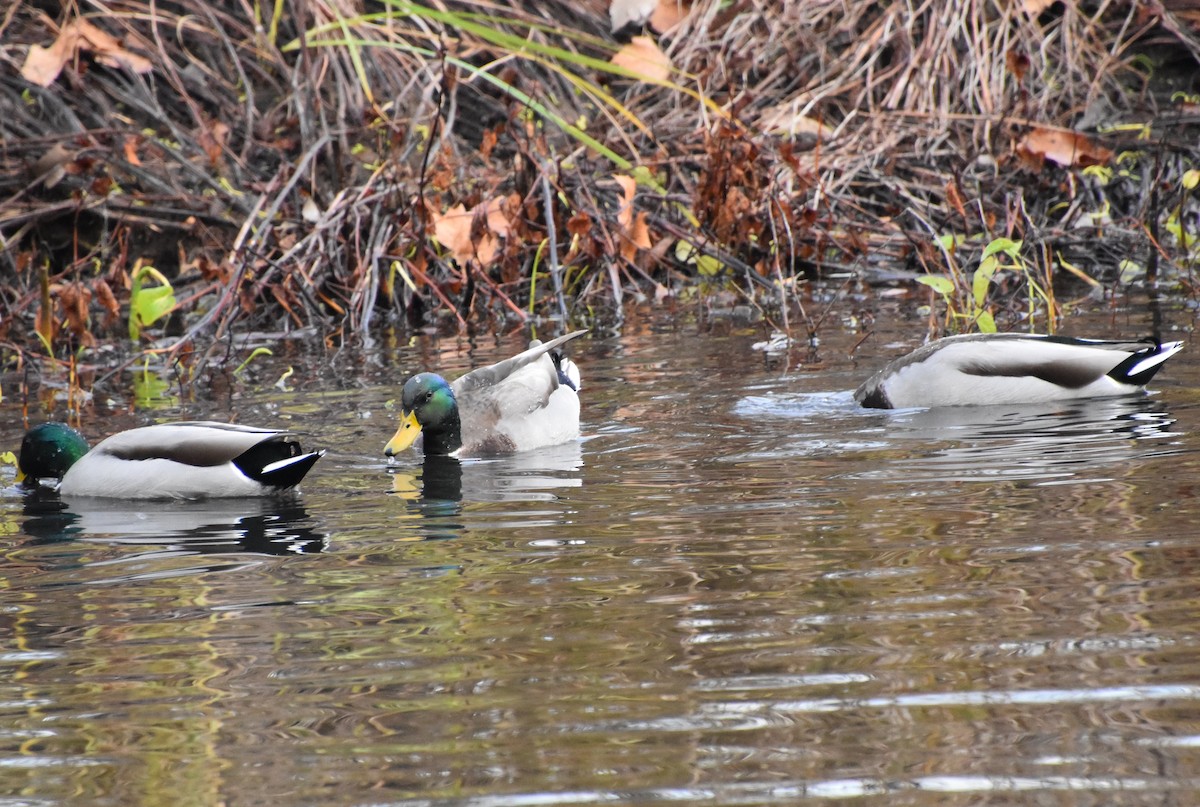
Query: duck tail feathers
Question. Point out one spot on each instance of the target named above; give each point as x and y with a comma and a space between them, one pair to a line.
275, 465
286, 474
1138, 368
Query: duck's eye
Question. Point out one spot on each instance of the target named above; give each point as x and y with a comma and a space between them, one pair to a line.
427, 397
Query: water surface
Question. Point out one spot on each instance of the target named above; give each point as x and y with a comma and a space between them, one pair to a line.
738, 588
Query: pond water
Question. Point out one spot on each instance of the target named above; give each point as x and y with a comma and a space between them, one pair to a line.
738, 588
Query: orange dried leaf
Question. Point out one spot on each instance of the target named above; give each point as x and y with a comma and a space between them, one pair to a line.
1062, 146
580, 224
497, 219
955, 198
1034, 8
668, 14
475, 235
104, 294
488, 143
131, 144
643, 57
109, 50
43, 65
640, 232
212, 139
1017, 63
73, 299
628, 188
634, 232
452, 229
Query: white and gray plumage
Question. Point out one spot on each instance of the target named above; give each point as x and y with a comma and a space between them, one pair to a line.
1013, 368
522, 403
187, 460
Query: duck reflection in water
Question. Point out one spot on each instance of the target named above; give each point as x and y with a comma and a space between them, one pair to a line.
525, 476
216, 526
1034, 441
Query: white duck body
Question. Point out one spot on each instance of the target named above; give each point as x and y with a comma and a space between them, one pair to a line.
531, 409
1011, 368
189, 460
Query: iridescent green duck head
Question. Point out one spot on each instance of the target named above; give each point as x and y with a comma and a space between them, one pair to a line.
48, 452
429, 409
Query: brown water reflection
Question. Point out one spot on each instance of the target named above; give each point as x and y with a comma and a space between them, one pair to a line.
738, 589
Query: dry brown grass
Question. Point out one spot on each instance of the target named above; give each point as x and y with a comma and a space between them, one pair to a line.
291, 173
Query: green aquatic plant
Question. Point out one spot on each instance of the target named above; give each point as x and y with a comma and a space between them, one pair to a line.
148, 304
970, 299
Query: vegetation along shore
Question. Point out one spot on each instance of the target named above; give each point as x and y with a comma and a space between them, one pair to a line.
174, 174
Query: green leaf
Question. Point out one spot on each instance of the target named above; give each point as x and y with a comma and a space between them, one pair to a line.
147, 305
1008, 246
149, 389
258, 351
1130, 271
939, 283
985, 322
708, 266
983, 278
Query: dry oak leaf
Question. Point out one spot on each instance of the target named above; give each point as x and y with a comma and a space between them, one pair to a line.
457, 231
452, 229
43, 65
1034, 8
668, 14
634, 232
643, 57
628, 189
1062, 146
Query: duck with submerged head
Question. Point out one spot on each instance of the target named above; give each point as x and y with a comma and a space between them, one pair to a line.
187, 460
1013, 368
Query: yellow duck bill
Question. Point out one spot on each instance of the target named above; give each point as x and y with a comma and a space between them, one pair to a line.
404, 437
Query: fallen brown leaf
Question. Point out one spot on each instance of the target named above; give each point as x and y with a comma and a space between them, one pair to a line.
628, 188
579, 224
131, 147
43, 65
954, 198
1062, 146
474, 235
786, 120
452, 229
1035, 7
668, 14
643, 57
634, 232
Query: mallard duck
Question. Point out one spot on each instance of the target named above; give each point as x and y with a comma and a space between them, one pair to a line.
526, 402
189, 460
1013, 368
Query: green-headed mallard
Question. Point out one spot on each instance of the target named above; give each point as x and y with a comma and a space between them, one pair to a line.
1014, 368
526, 402
190, 460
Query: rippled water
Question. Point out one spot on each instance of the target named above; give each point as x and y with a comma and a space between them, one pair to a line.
739, 588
